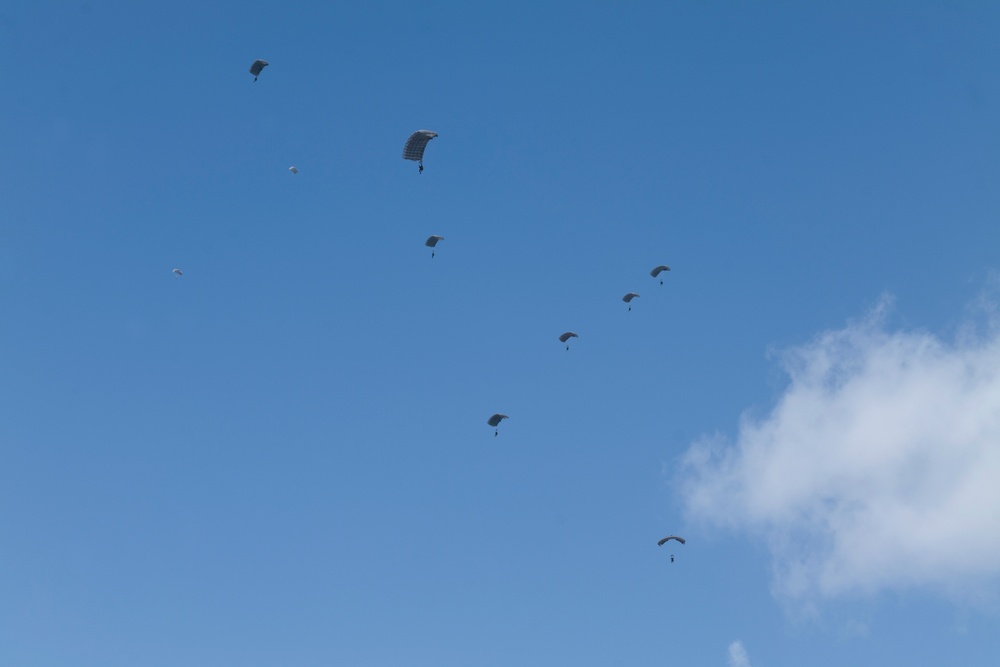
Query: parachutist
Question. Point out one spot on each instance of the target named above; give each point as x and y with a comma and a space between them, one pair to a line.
415, 145
671, 558
420, 169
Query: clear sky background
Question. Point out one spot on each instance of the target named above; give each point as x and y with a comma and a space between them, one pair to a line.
282, 457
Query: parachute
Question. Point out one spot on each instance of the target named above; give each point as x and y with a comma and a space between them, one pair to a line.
415, 145
495, 420
257, 66
433, 241
658, 270
177, 272
628, 298
566, 336
667, 539
293, 169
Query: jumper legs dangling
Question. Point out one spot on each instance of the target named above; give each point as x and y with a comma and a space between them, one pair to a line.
420, 167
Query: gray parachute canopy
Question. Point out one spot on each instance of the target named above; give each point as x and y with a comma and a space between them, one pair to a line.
178, 272
415, 145
628, 297
671, 537
658, 270
566, 336
257, 66
433, 241
496, 419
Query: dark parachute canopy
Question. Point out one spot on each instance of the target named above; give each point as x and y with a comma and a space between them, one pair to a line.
566, 336
433, 241
257, 66
628, 299
494, 421
658, 270
415, 145
671, 537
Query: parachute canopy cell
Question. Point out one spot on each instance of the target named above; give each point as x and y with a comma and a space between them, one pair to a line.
415, 145
566, 336
256, 68
433, 241
496, 419
628, 297
658, 270
671, 537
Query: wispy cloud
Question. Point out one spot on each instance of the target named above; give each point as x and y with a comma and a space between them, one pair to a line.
738, 655
877, 468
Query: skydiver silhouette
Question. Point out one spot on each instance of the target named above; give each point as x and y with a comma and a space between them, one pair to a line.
420, 168
671, 558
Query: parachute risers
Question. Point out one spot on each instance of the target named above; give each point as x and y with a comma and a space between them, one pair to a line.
256, 68
433, 241
658, 270
566, 336
415, 145
494, 421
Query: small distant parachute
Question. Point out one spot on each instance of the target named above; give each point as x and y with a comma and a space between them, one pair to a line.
433, 241
293, 169
177, 272
415, 145
658, 270
566, 336
628, 298
257, 66
495, 420
667, 539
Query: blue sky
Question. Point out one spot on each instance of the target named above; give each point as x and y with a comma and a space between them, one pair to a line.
282, 456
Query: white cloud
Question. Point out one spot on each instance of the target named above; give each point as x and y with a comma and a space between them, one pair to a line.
877, 468
738, 655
